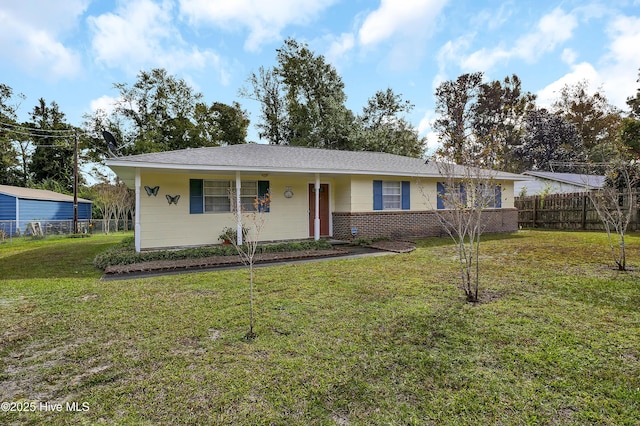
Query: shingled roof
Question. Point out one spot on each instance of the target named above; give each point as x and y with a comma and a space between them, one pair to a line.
286, 159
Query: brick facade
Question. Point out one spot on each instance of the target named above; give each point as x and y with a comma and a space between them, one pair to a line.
403, 224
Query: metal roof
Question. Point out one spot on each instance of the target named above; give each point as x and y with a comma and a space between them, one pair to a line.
285, 159
587, 181
37, 194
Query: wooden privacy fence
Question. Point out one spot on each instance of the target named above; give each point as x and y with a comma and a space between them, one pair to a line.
565, 211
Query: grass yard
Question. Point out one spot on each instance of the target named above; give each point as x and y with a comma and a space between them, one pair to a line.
381, 340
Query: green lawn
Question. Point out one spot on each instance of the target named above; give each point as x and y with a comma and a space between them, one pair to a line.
382, 340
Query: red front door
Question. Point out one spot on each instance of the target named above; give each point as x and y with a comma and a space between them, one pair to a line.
324, 209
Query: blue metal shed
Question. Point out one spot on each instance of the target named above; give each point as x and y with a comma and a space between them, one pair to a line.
20, 207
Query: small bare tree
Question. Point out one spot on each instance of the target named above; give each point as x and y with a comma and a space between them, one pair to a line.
124, 203
105, 201
251, 222
616, 204
463, 194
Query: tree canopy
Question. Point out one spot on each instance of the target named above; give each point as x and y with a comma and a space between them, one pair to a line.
303, 103
161, 112
482, 120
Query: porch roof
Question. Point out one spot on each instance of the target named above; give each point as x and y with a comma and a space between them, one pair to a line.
281, 159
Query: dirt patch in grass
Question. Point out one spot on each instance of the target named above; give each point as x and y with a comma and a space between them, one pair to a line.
394, 246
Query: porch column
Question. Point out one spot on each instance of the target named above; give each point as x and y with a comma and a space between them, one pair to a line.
136, 219
316, 222
238, 209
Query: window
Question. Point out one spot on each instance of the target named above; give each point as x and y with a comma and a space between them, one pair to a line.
391, 195
490, 196
218, 196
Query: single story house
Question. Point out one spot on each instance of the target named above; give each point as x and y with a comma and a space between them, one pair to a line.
539, 182
183, 197
24, 210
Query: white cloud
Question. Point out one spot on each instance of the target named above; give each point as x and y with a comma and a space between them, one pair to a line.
621, 64
551, 30
104, 103
264, 19
569, 56
580, 72
32, 36
141, 34
405, 25
616, 72
339, 47
404, 18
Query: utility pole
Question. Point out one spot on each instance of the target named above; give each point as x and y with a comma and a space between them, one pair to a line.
75, 183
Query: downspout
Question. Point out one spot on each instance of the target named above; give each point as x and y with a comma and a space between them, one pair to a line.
238, 209
316, 222
136, 228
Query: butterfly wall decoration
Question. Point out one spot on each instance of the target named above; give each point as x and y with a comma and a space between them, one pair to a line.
152, 191
173, 200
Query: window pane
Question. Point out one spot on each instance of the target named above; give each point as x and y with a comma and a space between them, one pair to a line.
217, 204
216, 196
249, 188
248, 204
391, 195
216, 187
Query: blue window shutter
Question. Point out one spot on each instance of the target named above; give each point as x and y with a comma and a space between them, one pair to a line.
196, 197
441, 193
463, 194
406, 195
263, 189
377, 195
498, 196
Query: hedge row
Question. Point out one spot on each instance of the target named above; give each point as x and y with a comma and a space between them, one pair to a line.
125, 254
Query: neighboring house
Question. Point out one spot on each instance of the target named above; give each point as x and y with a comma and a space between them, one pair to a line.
538, 183
183, 197
23, 208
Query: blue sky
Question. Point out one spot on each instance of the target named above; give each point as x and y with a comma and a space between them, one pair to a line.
73, 51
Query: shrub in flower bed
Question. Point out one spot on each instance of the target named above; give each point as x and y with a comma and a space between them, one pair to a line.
125, 254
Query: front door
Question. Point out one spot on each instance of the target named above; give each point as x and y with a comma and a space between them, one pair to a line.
324, 209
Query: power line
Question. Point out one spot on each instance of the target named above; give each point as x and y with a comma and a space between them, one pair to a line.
40, 133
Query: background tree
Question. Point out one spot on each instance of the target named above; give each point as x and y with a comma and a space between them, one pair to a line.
224, 123
455, 102
630, 133
482, 117
382, 127
266, 88
315, 98
105, 201
597, 122
161, 112
548, 139
634, 101
498, 120
302, 103
9, 174
53, 156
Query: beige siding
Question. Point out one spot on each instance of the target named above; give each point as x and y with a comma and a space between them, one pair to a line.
423, 193
362, 193
164, 225
508, 201
341, 192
